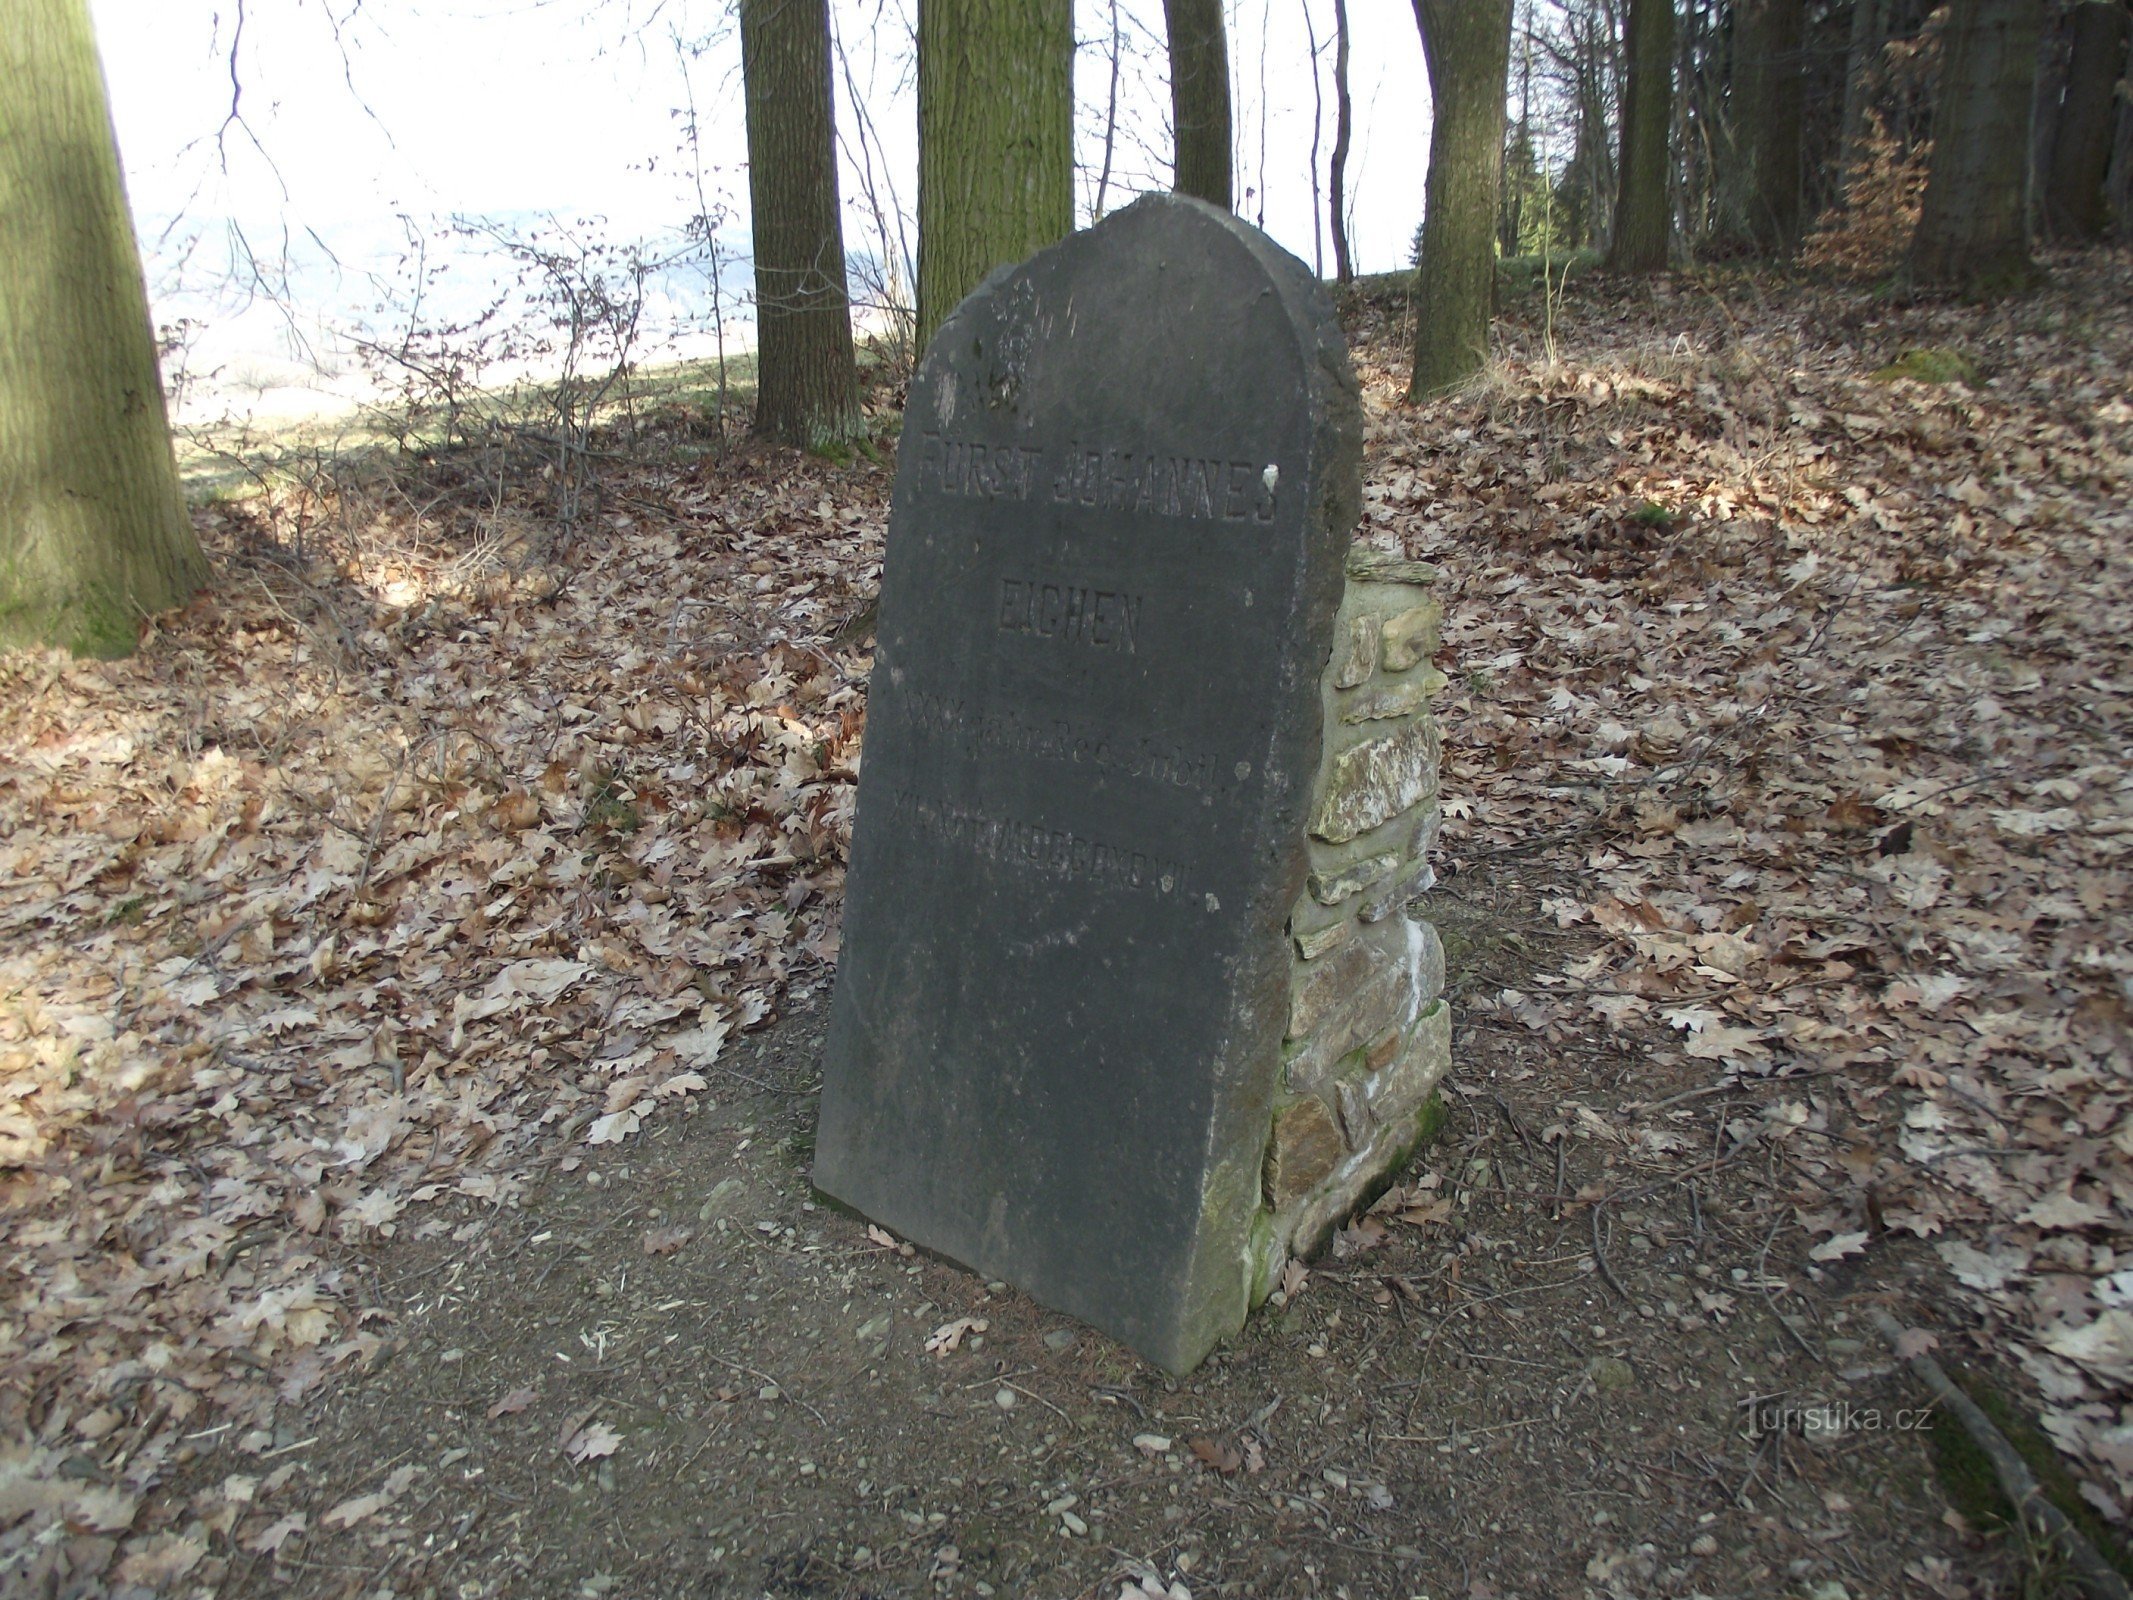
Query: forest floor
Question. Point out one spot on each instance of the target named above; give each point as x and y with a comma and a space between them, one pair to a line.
412, 965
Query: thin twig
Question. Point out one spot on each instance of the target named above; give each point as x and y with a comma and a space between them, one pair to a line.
1599, 1256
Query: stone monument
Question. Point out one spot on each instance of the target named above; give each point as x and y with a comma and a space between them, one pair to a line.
1130, 1007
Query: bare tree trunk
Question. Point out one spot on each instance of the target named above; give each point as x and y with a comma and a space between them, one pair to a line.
1343, 133
1199, 99
1760, 190
1870, 21
2118, 186
1699, 137
995, 141
807, 387
1643, 215
1771, 44
1596, 65
1467, 44
2081, 145
1972, 231
93, 531
1684, 128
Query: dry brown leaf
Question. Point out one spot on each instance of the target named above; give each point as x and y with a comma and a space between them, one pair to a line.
1216, 1456
511, 1404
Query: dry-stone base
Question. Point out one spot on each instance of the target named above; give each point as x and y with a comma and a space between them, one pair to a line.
1369, 1035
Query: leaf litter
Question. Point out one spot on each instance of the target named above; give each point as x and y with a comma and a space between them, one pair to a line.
363, 889
1820, 684
374, 888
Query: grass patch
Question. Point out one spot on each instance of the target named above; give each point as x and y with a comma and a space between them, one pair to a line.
610, 812
1931, 364
236, 459
1519, 276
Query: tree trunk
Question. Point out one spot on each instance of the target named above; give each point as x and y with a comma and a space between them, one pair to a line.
1972, 232
93, 531
1691, 137
1595, 149
1862, 61
1760, 193
807, 387
995, 141
2118, 186
1770, 59
1467, 44
2081, 147
1199, 99
1343, 132
1643, 216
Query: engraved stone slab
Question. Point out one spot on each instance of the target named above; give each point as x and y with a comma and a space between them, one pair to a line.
1125, 485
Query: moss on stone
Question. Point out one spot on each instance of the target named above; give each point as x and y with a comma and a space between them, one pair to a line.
1429, 1118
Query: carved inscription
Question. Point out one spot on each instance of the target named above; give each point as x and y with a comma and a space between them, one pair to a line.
1103, 619
1167, 485
1163, 483
976, 471
1008, 733
1056, 851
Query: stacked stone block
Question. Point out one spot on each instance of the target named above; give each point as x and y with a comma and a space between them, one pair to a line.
1369, 1034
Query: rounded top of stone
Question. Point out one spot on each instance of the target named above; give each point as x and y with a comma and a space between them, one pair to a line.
1158, 224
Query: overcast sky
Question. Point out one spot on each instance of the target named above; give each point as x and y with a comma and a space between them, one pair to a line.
355, 111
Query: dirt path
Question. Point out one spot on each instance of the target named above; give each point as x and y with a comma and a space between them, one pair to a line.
1464, 1407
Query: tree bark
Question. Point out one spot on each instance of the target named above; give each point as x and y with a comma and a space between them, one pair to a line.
1467, 44
995, 141
1760, 188
1972, 230
2118, 186
93, 530
1861, 61
1770, 60
2081, 147
1343, 132
807, 385
1199, 99
1643, 214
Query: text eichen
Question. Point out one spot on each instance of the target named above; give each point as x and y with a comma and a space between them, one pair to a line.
1072, 613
